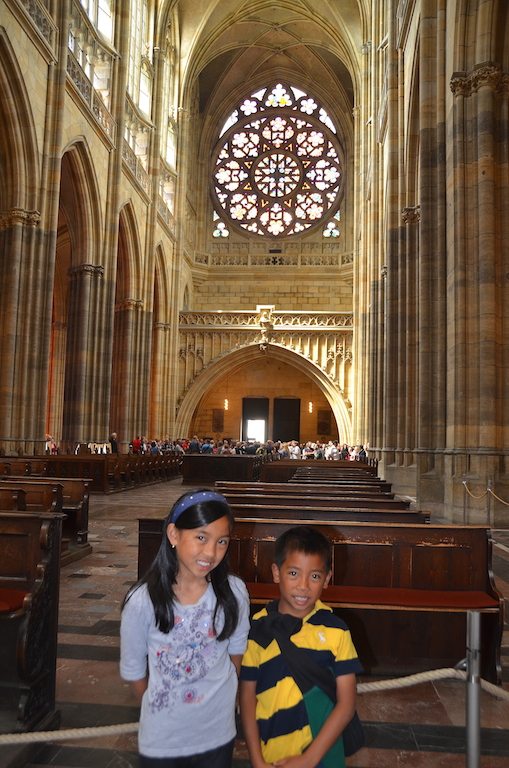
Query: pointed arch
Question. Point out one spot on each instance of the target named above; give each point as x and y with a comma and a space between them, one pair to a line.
77, 248
235, 360
80, 201
129, 261
18, 138
127, 410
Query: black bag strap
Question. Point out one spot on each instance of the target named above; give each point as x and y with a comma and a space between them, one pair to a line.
305, 671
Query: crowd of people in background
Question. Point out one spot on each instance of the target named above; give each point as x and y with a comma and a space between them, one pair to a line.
291, 449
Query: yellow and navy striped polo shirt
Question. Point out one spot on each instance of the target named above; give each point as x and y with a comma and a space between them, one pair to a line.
280, 710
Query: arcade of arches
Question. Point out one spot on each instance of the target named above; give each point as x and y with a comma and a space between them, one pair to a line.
212, 200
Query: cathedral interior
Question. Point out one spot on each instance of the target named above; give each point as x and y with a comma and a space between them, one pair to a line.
225, 201
210, 207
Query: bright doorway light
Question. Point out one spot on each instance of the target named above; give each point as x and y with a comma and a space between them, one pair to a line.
256, 430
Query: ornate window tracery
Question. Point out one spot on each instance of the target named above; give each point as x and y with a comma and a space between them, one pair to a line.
277, 166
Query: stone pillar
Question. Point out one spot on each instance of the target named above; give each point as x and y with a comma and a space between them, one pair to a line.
130, 394
21, 341
81, 371
478, 297
160, 403
56, 379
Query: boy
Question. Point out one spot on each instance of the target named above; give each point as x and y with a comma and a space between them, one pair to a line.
280, 695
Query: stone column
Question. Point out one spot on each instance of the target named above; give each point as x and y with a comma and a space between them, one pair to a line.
392, 219
130, 396
21, 416
83, 331
478, 295
56, 379
160, 404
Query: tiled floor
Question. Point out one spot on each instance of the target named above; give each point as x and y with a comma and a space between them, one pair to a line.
415, 727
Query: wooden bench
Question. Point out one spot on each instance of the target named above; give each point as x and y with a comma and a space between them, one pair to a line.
29, 587
40, 495
75, 505
404, 590
12, 499
282, 471
331, 489
282, 511
314, 501
205, 469
91, 467
13, 465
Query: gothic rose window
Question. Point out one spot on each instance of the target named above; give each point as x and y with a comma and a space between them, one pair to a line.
277, 168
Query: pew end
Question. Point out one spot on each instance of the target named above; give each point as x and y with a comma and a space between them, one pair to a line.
29, 589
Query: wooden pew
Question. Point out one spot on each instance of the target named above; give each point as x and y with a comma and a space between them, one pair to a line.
29, 587
314, 501
40, 495
279, 510
404, 590
13, 499
205, 469
75, 505
282, 471
108, 473
91, 467
331, 489
14, 465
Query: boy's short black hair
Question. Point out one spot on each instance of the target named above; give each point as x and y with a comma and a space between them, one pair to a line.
303, 538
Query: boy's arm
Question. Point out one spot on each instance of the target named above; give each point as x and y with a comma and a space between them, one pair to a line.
249, 724
346, 688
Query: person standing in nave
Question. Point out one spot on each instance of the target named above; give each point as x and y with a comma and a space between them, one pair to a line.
194, 445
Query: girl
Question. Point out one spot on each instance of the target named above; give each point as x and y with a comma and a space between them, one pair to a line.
183, 633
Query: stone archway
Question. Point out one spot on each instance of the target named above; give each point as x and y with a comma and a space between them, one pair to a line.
237, 359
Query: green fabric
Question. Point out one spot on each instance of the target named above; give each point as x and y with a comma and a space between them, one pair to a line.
318, 707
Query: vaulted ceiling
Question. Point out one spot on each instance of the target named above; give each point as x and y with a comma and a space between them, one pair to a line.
230, 46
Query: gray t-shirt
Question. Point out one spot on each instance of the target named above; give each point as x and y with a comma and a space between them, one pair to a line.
188, 707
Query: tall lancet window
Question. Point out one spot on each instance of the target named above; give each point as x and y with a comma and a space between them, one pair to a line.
277, 167
100, 14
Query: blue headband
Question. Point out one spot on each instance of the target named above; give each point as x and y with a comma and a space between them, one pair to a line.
196, 498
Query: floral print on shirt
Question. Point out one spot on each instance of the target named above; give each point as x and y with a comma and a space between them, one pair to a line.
185, 660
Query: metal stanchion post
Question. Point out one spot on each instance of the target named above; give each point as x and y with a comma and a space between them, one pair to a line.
489, 502
473, 739
464, 502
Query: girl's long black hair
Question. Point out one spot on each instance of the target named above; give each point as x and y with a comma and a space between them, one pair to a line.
162, 574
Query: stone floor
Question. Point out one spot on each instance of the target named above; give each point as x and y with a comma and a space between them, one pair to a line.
416, 727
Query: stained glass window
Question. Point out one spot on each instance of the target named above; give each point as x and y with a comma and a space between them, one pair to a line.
277, 167
331, 228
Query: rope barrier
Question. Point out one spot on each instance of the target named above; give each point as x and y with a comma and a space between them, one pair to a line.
488, 490
471, 494
380, 685
498, 498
